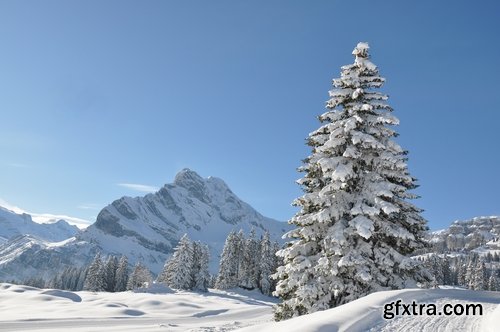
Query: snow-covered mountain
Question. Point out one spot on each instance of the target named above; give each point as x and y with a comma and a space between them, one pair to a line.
146, 228
472, 234
13, 224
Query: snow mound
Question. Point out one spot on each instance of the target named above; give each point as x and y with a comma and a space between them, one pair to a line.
63, 294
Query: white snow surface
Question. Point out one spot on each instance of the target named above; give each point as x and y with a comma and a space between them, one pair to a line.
163, 309
26, 308
366, 314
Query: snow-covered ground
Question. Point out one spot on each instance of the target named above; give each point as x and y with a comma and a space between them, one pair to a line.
366, 314
24, 308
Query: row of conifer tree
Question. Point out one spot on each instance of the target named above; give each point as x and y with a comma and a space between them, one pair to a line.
245, 262
469, 271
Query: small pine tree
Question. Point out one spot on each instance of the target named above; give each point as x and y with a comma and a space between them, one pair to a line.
229, 263
177, 272
121, 275
267, 265
250, 270
94, 280
479, 279
239, 247
213, 280
166, 273
435, 266
55, 282
71, 281
81, 278
200, 275
470, 272
140, 277
110, 269
446, 270
493, 284
356, 229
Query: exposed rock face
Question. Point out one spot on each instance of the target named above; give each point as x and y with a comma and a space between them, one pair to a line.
467, 235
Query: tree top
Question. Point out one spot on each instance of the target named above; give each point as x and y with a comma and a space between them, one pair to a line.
361, 50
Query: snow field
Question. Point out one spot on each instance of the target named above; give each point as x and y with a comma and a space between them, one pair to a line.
366, 314
26, 308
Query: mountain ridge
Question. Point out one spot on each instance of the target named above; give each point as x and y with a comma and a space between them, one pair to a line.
15, 224
147, 228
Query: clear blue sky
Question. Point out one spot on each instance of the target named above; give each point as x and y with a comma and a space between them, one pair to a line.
98, 93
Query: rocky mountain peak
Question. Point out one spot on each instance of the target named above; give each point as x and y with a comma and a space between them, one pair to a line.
187, 178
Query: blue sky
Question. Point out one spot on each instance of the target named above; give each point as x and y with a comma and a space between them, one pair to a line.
94, 94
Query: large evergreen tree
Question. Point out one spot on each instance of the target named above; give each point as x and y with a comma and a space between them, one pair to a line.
356, 227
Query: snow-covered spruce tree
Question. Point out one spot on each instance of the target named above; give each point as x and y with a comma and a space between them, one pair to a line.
480, 277
229, 263
200, 274
266, 264
470, 270
81, 278
140, 277
446, 270
493, 284
110, 273
356, 229
434, 265
250, 258
94, 281
121, 275
68, 279
177, 272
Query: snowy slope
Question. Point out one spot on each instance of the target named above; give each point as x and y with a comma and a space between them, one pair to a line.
14, 224
147, 228
366, 314
31, 309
